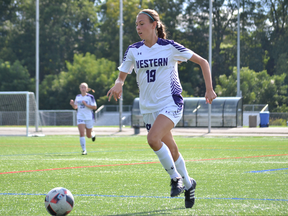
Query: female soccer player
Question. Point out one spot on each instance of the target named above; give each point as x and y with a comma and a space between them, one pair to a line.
155, 62
85, 104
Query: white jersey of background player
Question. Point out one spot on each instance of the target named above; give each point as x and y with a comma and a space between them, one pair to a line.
154, 60
83, 112
85, 104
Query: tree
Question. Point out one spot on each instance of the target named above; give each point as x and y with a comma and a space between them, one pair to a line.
66, 27
57, 90
92, 26
69, 27
15, 77
170, 13
224, 20
257, 88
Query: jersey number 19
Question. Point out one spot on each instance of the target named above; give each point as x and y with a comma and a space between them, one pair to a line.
151, 75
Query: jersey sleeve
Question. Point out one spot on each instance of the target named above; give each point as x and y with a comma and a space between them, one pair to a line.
181, 53
128, 62
75, 103
93, 101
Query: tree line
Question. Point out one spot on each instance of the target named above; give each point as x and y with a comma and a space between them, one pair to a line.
79, 42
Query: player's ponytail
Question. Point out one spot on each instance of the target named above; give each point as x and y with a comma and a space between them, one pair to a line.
161, 30
154, 16
89, 89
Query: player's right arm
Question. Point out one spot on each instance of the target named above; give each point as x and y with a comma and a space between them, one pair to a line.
125, 68
72, 103
116, 90
210, 95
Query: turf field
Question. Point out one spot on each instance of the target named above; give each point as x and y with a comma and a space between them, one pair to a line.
122, 175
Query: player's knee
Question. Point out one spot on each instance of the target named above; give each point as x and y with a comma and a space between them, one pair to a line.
153, 141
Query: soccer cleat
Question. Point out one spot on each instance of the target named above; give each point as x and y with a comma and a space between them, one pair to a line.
190, 195
176, 187
93, 136
84, 153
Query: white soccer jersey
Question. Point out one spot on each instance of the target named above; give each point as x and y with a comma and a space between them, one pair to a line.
156, 71
83, 112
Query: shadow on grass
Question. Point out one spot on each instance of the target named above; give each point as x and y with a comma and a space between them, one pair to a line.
163, 212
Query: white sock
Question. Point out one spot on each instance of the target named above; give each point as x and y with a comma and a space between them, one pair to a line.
93, 134
167, 161
181, 168
83, 143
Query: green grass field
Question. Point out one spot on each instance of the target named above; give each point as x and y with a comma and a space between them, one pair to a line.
122, 175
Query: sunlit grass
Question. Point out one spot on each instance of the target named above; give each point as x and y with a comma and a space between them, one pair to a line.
122, 175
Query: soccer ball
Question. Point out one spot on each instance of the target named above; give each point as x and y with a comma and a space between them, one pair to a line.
59, 201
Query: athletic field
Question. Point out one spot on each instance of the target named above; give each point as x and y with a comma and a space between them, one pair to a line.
122, 175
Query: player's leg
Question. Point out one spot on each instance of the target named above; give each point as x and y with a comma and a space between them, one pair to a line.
171, 144
81, 128
89, 130
178, 159
93, 135
160, 127
190, 183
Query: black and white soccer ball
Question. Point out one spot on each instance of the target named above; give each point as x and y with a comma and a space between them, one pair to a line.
59, 201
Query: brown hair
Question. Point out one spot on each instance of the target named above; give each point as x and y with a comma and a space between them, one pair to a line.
88, 89
154, 16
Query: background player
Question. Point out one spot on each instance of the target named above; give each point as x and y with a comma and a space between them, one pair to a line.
154, 60
85, 104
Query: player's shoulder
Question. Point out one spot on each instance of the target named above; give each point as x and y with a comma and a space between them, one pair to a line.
165, 42
89, 95
136, 45
132, 48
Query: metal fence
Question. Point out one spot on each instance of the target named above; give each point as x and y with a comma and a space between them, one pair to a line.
278, 119
255, 107
69, 117
225, 112
58, 117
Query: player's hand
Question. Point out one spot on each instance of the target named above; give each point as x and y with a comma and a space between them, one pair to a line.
115, 91
210, 95
71, 102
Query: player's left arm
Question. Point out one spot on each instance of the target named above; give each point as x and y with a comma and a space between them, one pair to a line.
94, 107
210, 95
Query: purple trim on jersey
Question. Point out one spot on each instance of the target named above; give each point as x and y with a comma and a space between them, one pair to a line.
91, 96
164, 42
93, 100
174, 83
176, 88
93, 114
135, 45
178, 99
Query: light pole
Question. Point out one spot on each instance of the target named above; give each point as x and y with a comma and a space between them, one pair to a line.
120, 62
238, 53
210, 59
37, 66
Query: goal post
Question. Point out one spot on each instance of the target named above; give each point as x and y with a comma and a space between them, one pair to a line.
17, 108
